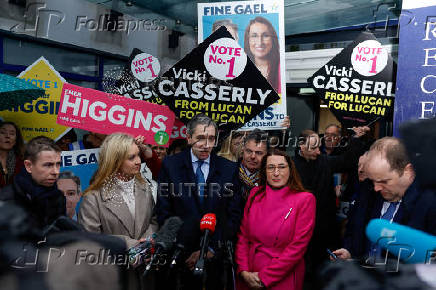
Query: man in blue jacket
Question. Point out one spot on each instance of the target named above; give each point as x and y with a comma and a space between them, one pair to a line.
195, 182
395, 197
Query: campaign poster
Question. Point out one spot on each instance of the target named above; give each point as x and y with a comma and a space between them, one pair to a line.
217, 79
258, 27
82, 163
137, 78
358, 84
105, 113
179, 131
416, 90
38, 118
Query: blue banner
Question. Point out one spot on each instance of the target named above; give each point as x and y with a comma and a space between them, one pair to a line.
416, 77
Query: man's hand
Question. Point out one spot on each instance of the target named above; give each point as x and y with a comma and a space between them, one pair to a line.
338, 190
192, 260
286, 122
342, 254
141, 240
252, 279
145, 149
360, 131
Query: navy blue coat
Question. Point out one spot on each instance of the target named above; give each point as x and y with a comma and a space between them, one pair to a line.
178, 196
416, 210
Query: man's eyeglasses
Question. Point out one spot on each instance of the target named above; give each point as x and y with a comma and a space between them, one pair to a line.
272, 168
258, 153
203, 139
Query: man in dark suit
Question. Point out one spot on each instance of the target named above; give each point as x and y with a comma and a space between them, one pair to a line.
195, 182
396, 198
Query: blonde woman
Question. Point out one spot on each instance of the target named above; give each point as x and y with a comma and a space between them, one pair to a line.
231, 147
119, 201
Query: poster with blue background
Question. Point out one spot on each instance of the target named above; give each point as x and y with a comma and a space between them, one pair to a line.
83, 164
416, 78
258, 27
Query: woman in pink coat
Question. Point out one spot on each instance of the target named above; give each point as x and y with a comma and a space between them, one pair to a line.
278, 222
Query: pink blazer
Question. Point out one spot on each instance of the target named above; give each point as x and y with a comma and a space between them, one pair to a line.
274, 236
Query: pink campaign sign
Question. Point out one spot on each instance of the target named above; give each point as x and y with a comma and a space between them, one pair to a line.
104, 113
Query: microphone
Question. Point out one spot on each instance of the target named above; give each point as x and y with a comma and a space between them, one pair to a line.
137, 253
207, 225
177, 253
165, 239
410, 245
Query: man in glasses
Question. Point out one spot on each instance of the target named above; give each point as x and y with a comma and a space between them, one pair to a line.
195, 182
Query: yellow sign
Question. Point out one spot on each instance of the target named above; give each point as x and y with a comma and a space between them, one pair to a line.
39, 117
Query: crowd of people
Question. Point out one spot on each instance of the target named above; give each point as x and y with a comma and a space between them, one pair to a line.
279, 212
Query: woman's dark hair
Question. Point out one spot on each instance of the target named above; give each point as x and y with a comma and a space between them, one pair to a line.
19, 142
274, 54
294, 180
181, 144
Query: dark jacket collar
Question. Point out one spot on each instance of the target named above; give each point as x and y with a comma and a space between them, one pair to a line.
412, 193
28, 188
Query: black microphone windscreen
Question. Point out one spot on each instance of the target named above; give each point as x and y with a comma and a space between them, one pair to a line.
167, 235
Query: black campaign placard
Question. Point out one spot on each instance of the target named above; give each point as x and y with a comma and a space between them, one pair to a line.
131, 85
358, 84
217, 79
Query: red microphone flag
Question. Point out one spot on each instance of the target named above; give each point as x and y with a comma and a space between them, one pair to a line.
208, 222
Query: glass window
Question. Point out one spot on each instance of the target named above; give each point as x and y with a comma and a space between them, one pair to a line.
112, 69
90, 85
19, 52
113, 65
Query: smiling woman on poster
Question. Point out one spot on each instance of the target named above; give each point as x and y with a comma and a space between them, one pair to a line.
262, 46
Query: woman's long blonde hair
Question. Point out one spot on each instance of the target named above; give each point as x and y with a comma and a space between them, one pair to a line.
113, 152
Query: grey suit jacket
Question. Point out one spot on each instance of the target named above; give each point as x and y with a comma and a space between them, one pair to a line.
104, 211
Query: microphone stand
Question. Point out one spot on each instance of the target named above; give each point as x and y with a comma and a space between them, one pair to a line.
199, 266
148, 267
179, 250
152, 260
228, 267
175, 268
229, 248
199, 269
